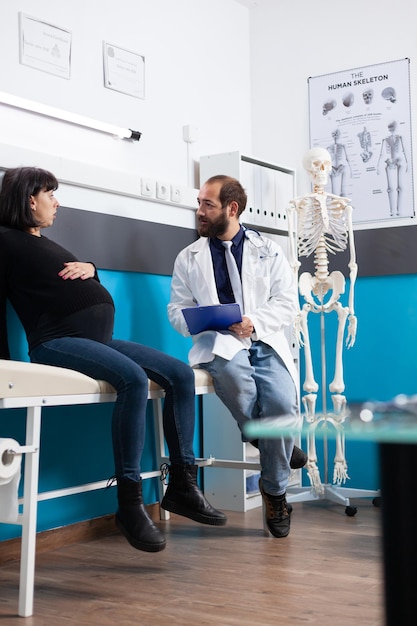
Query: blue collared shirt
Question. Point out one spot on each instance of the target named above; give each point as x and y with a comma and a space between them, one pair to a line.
221, 275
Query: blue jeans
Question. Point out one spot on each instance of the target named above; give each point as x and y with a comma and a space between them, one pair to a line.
256, 384
127, 366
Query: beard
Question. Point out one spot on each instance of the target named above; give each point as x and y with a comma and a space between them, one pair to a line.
214, 228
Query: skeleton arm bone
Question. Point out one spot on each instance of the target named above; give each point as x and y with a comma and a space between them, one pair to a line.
380, 155
352, 327
404, 155
292, 236
298, 331
295, 264
353, 267
347, 160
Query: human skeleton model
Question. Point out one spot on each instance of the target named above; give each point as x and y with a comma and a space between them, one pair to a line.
393, 147
321, 223
340, 162
366, 142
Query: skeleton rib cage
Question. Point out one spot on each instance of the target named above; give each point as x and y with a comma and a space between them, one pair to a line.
321, 224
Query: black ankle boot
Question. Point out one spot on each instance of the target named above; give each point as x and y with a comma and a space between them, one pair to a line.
184, 497
133, 520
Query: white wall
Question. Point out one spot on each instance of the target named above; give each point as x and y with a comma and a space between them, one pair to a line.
198, 56
291, 41
197, 59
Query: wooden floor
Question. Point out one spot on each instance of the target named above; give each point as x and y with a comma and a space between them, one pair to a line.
327, 572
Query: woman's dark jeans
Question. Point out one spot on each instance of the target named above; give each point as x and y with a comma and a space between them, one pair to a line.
127, 367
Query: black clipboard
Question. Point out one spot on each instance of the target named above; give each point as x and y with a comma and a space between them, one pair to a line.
213, 317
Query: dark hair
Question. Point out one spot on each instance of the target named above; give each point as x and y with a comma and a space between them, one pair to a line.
230, 191
17, 186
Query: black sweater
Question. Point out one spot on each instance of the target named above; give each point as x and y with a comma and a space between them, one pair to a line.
29, 267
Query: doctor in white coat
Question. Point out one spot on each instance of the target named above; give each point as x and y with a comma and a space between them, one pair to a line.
251, 363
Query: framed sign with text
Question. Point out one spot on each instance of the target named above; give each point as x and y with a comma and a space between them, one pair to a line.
362, 117
124, 71
44, 46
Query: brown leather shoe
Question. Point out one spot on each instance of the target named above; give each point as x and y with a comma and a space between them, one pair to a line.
298, 458
277, 517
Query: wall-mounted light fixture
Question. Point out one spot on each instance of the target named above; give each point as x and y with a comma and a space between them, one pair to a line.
66, 116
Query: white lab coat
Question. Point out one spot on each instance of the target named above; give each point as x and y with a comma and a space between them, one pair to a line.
269, 296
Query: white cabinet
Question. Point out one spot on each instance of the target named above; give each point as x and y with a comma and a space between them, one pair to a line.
269, 187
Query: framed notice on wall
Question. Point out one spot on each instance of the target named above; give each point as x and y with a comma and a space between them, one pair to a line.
44, 46
362, 117
124, 71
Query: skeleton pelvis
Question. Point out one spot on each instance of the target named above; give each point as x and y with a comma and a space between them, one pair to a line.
310, 286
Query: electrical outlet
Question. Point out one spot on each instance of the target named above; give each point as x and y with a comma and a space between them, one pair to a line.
175, 193
148, 187
162, 190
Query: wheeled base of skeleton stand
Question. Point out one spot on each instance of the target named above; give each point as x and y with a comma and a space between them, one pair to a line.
339, 495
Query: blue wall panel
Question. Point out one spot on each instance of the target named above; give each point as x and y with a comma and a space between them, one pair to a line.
379, 366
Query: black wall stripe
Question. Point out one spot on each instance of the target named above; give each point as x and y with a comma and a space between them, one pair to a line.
120, 243
125, 244
379, 252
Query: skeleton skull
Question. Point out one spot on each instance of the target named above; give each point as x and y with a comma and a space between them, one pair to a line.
368, 95
348, 99
318, 162
328, 106
389, 94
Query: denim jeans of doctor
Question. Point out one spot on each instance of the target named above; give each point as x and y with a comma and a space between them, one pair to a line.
127, 367
256, 384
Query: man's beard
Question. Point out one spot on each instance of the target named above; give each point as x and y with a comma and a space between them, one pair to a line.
214, 229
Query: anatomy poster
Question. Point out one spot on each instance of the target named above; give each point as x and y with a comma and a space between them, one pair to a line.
362, 117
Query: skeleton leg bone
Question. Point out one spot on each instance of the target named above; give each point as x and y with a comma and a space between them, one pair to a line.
311, 467
309, 402
337, 385
392, 188
340, 474
339, 407
310, 384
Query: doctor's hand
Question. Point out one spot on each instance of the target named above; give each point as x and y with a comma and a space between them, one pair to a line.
244, 328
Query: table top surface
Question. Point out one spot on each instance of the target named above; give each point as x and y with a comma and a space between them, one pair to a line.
394, 422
